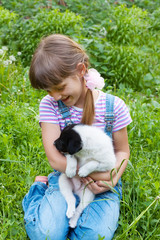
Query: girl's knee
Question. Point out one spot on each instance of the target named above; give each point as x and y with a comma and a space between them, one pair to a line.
34, 196
98, 219
47, 219
94, 232
38, 230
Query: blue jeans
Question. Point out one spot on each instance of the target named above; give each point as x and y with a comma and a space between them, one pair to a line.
45, 214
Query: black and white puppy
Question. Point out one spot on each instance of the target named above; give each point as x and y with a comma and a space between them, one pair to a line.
90, 149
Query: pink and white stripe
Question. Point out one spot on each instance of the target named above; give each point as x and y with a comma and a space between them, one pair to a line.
49, 112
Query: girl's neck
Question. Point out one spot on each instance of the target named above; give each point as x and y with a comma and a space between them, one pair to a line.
81, 102
95, 95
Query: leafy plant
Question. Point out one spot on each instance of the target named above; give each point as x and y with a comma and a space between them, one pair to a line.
140, 181
95, 12
21, 155
144, 4
119, 64
7, 19
24, 8
147, 4
155, 19
128, 26
26, 33
123, 43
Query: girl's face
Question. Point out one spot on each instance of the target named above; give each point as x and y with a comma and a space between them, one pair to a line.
71, 91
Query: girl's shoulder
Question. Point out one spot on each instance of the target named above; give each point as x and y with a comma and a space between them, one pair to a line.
118, 102
122, 116
48, 101
48, 98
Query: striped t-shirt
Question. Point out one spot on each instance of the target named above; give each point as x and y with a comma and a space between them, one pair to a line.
49, 112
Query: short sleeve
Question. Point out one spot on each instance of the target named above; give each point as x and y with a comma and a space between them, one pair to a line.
48, 110
122, 115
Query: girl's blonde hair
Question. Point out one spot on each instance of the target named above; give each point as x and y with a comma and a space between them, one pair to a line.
55, 59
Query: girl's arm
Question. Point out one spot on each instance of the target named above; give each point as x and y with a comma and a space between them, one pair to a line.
98, 180
50, 132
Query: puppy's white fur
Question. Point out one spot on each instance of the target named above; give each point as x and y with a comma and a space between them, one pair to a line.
97, 155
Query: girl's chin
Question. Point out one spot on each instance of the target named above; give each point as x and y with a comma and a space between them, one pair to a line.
68, 101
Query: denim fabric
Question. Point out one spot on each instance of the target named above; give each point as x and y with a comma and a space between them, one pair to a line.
45, 214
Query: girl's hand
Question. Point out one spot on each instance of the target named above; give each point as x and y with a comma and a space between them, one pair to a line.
98, 186
102, 180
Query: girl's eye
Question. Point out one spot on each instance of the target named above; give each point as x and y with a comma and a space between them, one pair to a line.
60, 89
56, 89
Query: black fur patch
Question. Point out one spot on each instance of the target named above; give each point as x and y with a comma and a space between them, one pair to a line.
69, 141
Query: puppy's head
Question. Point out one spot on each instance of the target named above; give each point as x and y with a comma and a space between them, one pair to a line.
69, 141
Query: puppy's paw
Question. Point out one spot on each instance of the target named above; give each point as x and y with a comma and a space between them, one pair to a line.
70, 211
71, 172
71, 166
82, 172
73, 222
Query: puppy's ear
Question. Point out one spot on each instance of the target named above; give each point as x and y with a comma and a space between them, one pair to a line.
74, 146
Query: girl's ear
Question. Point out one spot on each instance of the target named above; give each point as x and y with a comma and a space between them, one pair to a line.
81, 68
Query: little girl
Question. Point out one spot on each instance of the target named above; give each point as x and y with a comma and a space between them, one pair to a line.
60, 66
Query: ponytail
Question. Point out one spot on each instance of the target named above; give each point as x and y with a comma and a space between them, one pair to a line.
89, 109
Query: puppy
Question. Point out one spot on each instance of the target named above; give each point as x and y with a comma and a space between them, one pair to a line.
89, 149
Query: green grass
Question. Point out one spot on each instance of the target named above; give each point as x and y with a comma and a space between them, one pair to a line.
22, 156
141, 179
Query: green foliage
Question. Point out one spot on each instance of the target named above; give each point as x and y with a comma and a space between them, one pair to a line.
6, 17
143, 170
21, 159
25, 8
95, 12
147, 4
155, 19
26, 33
12, 88
20, 148
8, 69
128, 26
123, 44
144, 4
119, 64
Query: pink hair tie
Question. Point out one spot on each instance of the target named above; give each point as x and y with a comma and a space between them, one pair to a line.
94, 79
